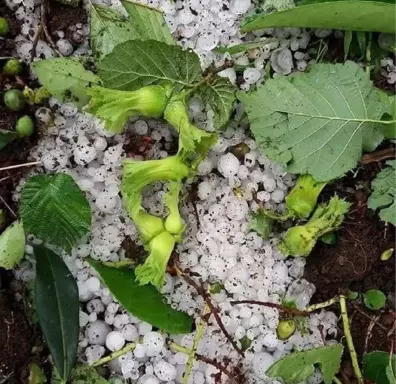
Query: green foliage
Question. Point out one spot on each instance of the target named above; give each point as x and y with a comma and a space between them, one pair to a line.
36, 376
115, 107
12, 245
220, 95
243, 47
318, 122
7, 137
329, 238
379, 367
14, 100
300, 240
85, 374
383, 195
262, 224
144, 302
4, 26
299, 366
65, 78
57, 306
135, 64
352, 15
374, 299
12, 67
55, 210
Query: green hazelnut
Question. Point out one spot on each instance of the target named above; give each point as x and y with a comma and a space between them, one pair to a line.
285, 329
25, 126
12, 67
14, 100
4, 26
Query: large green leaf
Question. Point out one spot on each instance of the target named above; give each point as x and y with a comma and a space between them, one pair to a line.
6, 137
353, 15
317, 122
300, 366
57, 306
12, 245
65, 78
148, 22
378, 367
142, 301
55, 210
109, 28
135, 64
384, 192
220, 95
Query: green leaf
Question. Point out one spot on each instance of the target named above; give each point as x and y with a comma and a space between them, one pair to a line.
148, 22
85, 374
57, 305
347, 43
383, 195
261, 224
6, 137
375, 367
142, 301
353, 15
314, 122
362, 42
36, 376
328, 358
240, 48
390, 373
109, 28
135, 64
220, 95
374, 299
12, 245
55, 210
65, 78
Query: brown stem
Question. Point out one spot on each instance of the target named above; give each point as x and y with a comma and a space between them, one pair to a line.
218, 366
36, 39
212, 308
382, 154
291, 311
47, 34
375, 321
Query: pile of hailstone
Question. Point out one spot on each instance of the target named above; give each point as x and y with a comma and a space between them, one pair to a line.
218, 245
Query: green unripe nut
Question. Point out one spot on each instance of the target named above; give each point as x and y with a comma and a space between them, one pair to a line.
14, 100
41, 95
285, 329
12, 67
25, 126
4, 26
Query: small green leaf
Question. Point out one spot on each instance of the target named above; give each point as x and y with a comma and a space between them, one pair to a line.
57, 305
262, 224
362, 42
386, 255
220, 95
378, 367
7, 137
245, 343
12, 245
318, 122
36, 376
54, 209
148, 22
374, 299
384, 191
65, 78
328, 358
347, 43
135, 64
142, 301
329, 238
351, 15
240, 48
352, 295
85, 374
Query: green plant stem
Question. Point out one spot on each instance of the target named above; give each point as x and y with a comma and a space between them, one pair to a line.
197, 338
368, 53
349, 340
114, 355
178, 348
336, 380
325, 304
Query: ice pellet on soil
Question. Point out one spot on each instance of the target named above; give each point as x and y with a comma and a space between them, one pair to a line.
115, 341
97, 332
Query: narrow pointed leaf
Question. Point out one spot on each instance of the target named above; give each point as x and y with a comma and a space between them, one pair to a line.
54, 209
135, 64
142, 301
317, 122
353, 15
12, 245
57, 306
7, 137
148, 22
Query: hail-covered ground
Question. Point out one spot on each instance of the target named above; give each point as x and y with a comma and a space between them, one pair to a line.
218, 245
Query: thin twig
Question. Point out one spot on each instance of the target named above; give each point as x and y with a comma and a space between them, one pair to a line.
291, 311
383, 154
8, 207
349, 340
36, 39
20, 165
213, 310
325, 304
369, 331
47, 34
369, 317
114, 355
